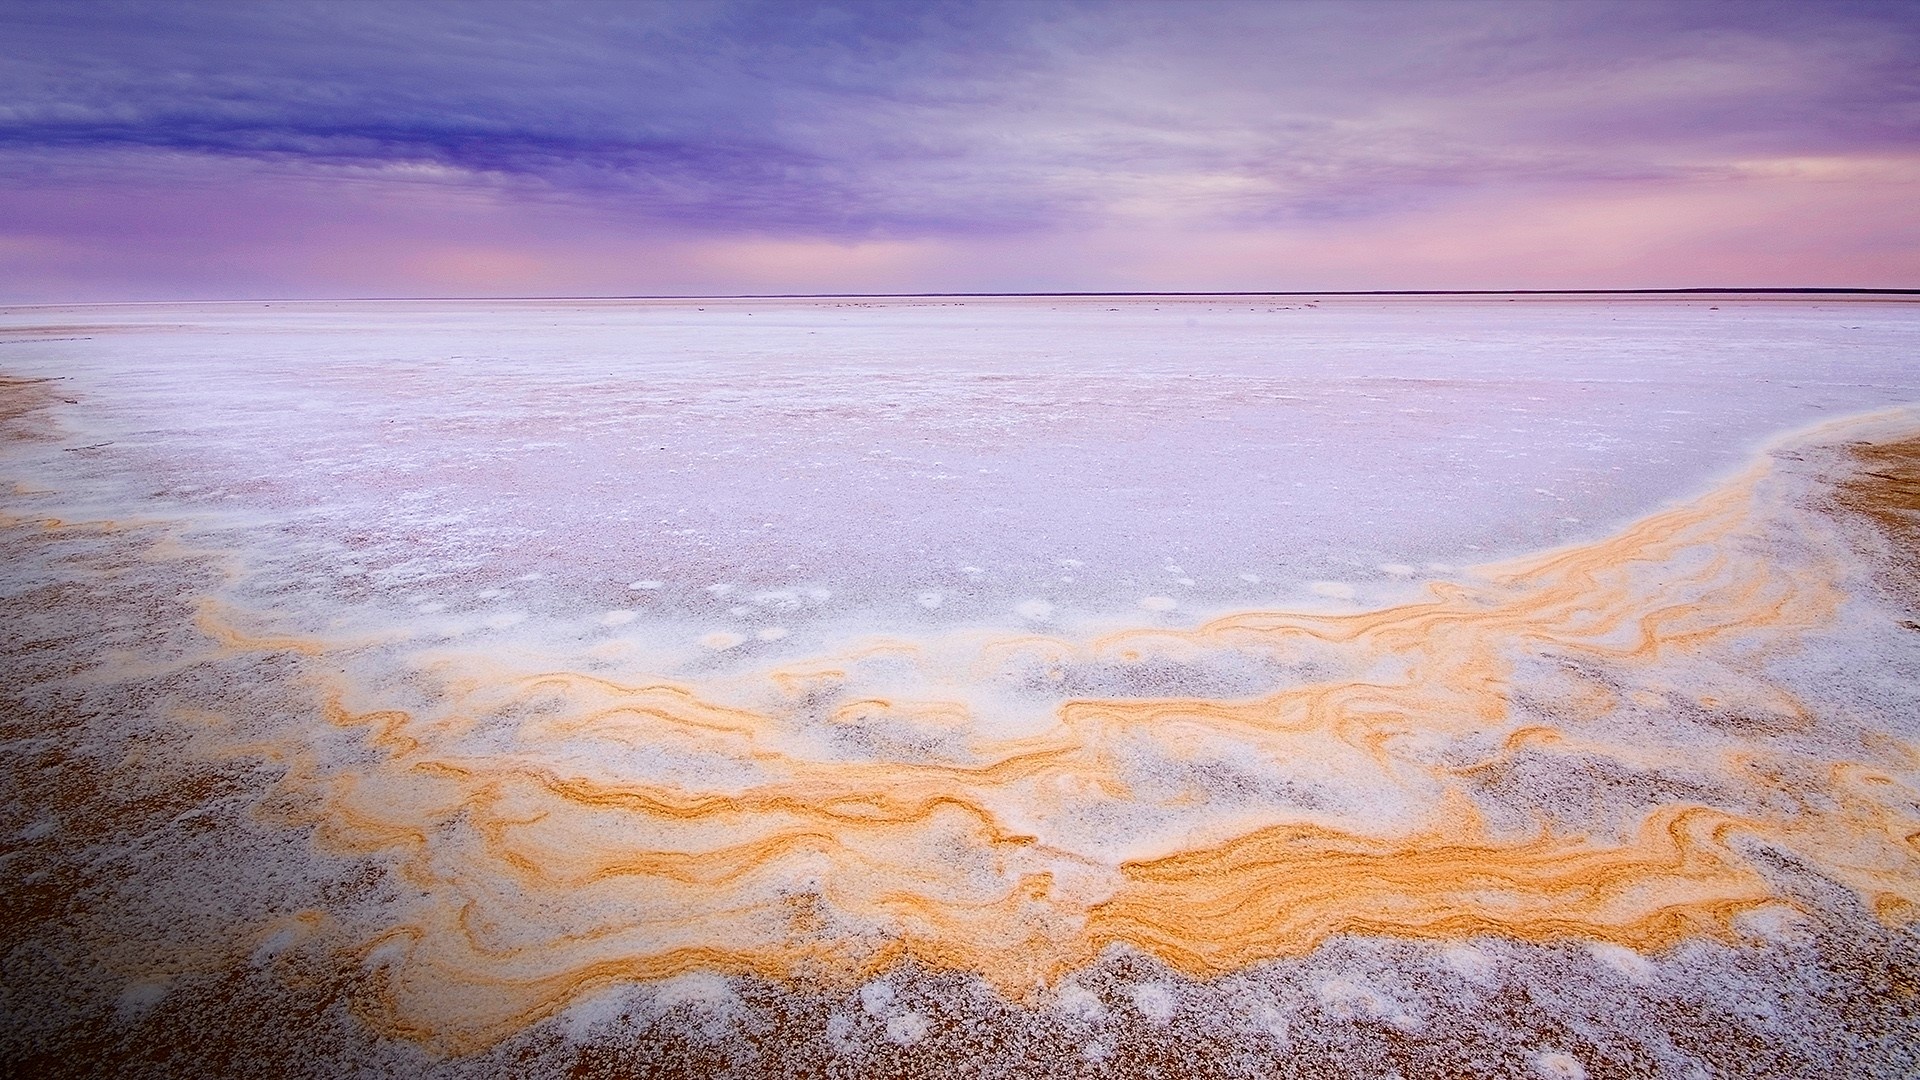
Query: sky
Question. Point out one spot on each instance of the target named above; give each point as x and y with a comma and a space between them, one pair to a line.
162, 151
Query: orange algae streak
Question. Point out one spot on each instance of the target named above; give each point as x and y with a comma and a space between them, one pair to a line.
1285, 889
557, 832
217, 623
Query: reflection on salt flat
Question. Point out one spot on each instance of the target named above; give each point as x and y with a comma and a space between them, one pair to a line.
1136, 681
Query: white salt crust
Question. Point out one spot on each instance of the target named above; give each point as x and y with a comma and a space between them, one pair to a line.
435, 586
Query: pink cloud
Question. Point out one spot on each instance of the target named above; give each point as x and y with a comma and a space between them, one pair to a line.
1834, 221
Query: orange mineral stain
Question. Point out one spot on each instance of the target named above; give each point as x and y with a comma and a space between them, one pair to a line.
562, 831
1588, 744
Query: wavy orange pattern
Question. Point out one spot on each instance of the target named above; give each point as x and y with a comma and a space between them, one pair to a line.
554, 831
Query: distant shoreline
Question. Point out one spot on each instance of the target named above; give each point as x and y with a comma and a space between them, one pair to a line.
1701, 292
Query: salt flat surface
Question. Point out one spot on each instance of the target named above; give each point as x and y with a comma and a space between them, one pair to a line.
998, 461
1477, 686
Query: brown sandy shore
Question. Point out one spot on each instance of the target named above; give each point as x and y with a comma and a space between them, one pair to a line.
106, 632
1884, 493
22, 401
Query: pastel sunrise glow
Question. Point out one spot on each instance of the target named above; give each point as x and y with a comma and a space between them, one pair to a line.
165, 151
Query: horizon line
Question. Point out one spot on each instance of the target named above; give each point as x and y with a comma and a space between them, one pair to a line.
1692, 290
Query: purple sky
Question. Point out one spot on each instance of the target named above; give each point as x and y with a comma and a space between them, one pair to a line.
189, 150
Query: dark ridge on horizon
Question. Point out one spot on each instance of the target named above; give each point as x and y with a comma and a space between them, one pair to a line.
1697, 291
1247, 292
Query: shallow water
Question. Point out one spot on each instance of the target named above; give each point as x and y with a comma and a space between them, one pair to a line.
1116, 686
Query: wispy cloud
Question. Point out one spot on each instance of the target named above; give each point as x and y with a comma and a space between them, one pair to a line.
962, 124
